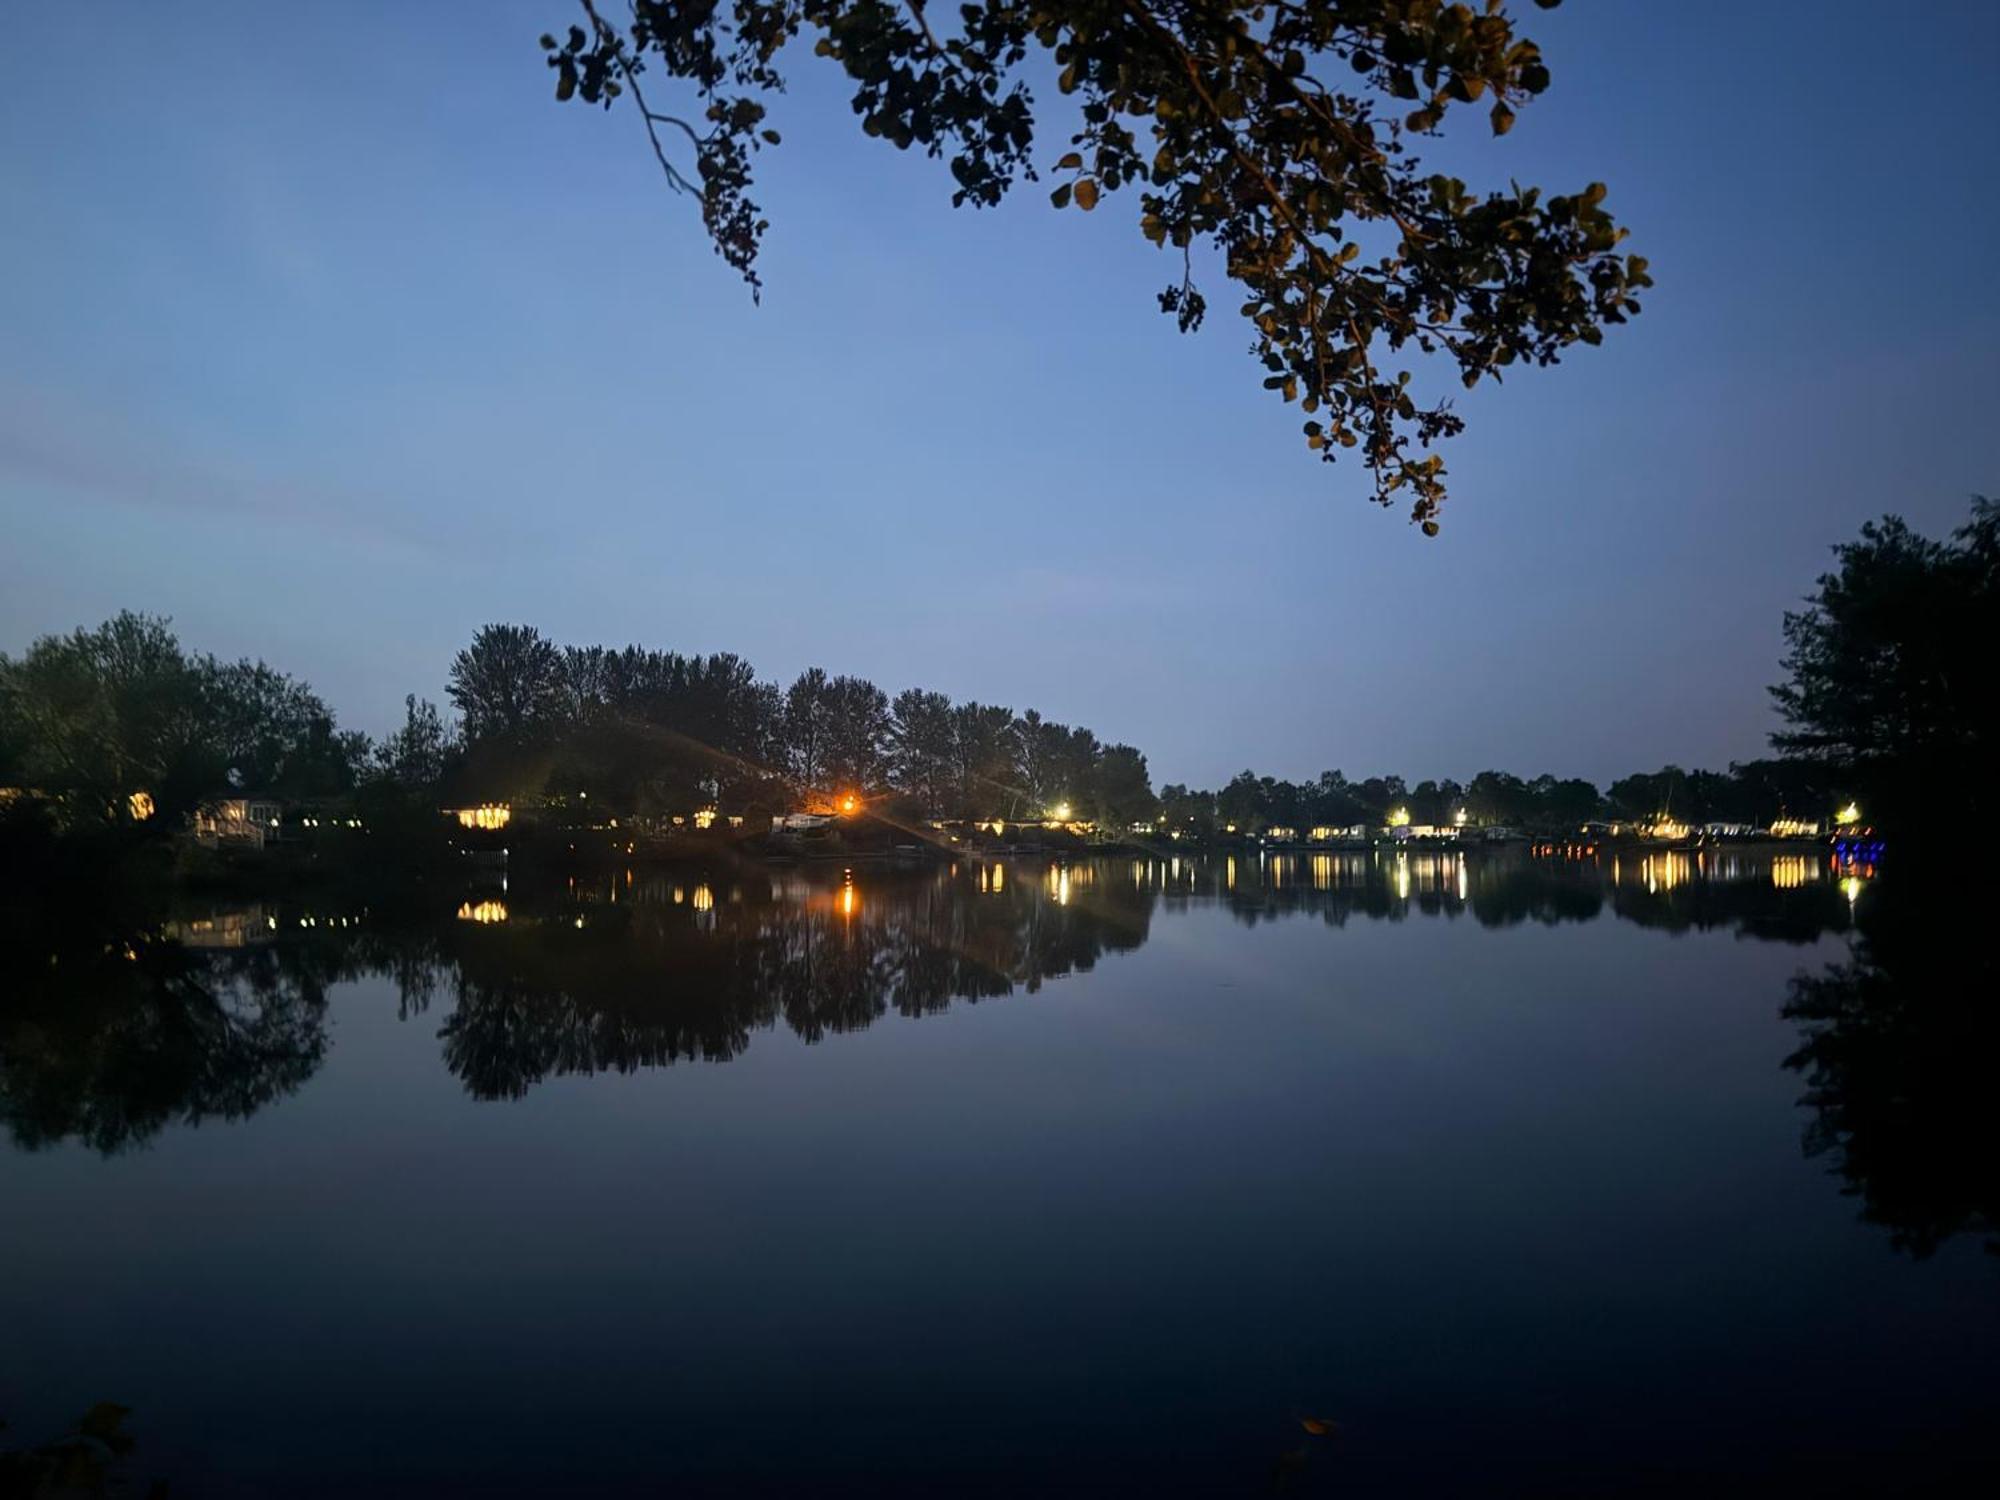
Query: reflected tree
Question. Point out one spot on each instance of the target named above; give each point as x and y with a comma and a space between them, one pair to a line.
110, 1045
655, 981
107, 1037
1897, 1047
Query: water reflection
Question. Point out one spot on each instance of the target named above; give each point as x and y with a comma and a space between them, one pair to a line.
1769, 897
107, 1038
1896, 1049
109, 1042
611, 979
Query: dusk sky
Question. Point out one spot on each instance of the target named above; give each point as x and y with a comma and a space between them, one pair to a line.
328, 333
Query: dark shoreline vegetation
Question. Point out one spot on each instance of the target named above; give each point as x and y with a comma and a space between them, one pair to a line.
115, 737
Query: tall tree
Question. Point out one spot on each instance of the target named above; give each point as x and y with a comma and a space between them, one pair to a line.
1892, 676
1121, 791
857, 740
509, 685
807, 713
1276, 138
986, 761
1048, 758
923, 734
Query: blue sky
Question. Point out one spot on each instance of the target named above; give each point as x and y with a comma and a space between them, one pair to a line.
324, 331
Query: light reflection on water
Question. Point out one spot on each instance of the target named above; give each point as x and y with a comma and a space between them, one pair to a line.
1130, 1198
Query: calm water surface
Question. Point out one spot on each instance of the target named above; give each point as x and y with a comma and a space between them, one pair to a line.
1017, 1179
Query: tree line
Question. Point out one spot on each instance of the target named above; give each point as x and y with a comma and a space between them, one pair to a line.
656, 732
1753, 792
1889, 696
98, 715
653, 731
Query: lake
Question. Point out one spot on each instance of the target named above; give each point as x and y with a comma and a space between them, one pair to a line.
1110, 1176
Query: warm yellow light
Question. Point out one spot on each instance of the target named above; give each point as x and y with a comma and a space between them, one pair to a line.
486, 815
1849, 814
850, 901
849, 803
483, 911
704, 817
1061, 811
1399, 817
141, 805
704, 898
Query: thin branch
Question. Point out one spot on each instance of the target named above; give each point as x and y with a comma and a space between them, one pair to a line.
916, 8
675, 179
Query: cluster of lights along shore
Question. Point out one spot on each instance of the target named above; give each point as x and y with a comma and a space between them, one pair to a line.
1409, 872
493, 817
1663, 827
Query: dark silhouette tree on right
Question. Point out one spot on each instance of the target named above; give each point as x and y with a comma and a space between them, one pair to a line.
1893, 675
1892, 672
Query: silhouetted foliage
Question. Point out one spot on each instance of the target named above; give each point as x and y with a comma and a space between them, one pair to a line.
85, 1460
417, 756
1897, 1050
654, 732
107, 1042
509, 686
93, 717
1893, 677
1277, 137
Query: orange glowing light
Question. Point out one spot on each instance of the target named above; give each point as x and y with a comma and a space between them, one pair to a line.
849, 902
849, 802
